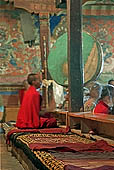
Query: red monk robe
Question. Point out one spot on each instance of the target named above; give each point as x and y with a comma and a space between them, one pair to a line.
28, 115
101, 107
21, 95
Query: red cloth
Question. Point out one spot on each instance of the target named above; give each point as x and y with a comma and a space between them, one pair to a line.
101, 107
72, 167
28, 115
99, 146
46, 130
47, 122
21, 95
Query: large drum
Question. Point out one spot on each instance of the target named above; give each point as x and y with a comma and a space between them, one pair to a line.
92, 59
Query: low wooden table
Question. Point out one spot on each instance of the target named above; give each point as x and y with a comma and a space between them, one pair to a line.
103, 123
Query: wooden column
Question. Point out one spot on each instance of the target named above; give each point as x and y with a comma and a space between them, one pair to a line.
75, 67
44, 45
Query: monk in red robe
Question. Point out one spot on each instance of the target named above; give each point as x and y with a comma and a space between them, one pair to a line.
28, 115
101, 107
103, 103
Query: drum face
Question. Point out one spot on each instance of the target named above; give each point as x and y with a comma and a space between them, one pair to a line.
92, 59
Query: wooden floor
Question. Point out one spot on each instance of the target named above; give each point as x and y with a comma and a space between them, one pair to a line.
7, 161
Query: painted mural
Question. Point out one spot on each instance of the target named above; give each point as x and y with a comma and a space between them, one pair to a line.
99, 21
17, 59
103, 29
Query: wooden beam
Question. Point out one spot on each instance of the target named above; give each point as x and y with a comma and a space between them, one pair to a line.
44, 46
75, 68
36, 6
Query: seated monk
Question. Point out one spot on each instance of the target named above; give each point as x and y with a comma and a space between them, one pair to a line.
103, 105
28, 115
92, 97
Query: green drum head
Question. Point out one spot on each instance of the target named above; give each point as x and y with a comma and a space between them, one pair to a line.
92, 59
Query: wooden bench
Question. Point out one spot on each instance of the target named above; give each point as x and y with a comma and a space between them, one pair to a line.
104, 124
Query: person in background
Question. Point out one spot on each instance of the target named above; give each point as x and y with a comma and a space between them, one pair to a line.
66, 99
92, 96
103, 105
111, 82
29, 112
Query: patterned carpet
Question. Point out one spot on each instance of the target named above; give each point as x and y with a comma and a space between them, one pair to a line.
63, 151
60, 156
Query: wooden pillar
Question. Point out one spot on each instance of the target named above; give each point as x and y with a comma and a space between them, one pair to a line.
44, 45
75, 67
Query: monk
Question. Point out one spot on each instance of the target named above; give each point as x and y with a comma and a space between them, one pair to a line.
111, 82
92, 96
29, 112
104, 101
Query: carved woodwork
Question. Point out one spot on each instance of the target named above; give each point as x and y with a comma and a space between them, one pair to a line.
37, 6
60, 2
44, 46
